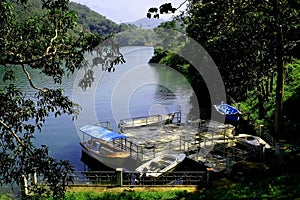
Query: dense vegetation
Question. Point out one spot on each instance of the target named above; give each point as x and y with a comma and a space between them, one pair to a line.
95, 22
291, 125
253, 45
283, 187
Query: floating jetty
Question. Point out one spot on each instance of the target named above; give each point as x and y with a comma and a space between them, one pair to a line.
208, 142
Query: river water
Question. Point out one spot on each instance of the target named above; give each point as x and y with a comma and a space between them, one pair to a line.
135, 89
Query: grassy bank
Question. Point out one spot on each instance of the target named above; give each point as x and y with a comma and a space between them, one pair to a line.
282, 187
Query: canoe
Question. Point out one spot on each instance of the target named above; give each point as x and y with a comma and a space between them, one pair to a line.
160, 165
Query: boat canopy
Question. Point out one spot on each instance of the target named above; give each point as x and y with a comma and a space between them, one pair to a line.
101, 133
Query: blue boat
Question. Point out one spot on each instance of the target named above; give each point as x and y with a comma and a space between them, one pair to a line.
231, 112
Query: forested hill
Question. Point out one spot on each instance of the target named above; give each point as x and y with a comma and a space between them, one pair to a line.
88, 19
95, 22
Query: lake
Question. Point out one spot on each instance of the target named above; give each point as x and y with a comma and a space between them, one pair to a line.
135, 89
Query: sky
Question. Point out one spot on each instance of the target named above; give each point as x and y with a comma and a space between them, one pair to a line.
126, 10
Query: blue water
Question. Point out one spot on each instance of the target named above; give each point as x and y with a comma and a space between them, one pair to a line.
134, 89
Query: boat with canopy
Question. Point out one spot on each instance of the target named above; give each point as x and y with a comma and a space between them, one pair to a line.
104, 145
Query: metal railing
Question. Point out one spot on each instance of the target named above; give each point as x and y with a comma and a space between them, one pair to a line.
112, 178
152, 120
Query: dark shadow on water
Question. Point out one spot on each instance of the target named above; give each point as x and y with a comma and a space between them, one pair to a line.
91, 164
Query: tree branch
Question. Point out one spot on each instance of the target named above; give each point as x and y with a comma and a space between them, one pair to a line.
30, 81
181, 4
15, 136
51, 41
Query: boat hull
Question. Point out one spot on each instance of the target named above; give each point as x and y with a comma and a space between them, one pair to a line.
251, 140
113, 160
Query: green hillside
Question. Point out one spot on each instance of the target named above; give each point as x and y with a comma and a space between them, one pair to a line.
93, 22
88, 19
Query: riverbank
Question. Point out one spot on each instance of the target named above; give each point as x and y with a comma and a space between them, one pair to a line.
283, 186
280, 187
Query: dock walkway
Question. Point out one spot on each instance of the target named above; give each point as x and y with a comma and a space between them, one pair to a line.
198, 139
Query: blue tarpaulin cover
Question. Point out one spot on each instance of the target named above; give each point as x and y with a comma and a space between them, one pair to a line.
101, 133
226, 109
229, 111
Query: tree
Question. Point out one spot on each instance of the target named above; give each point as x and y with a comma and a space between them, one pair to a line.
249, 41
44, 43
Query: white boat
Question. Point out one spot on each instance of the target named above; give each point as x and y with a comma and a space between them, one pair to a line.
252, 140
160, 165
146, 121
102, 144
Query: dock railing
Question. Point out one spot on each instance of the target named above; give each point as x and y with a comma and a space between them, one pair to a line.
121, 178
152, 120
147, 151
131, 178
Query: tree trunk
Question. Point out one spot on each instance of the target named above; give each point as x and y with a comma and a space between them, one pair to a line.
261, 109
279, 97
280, 73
